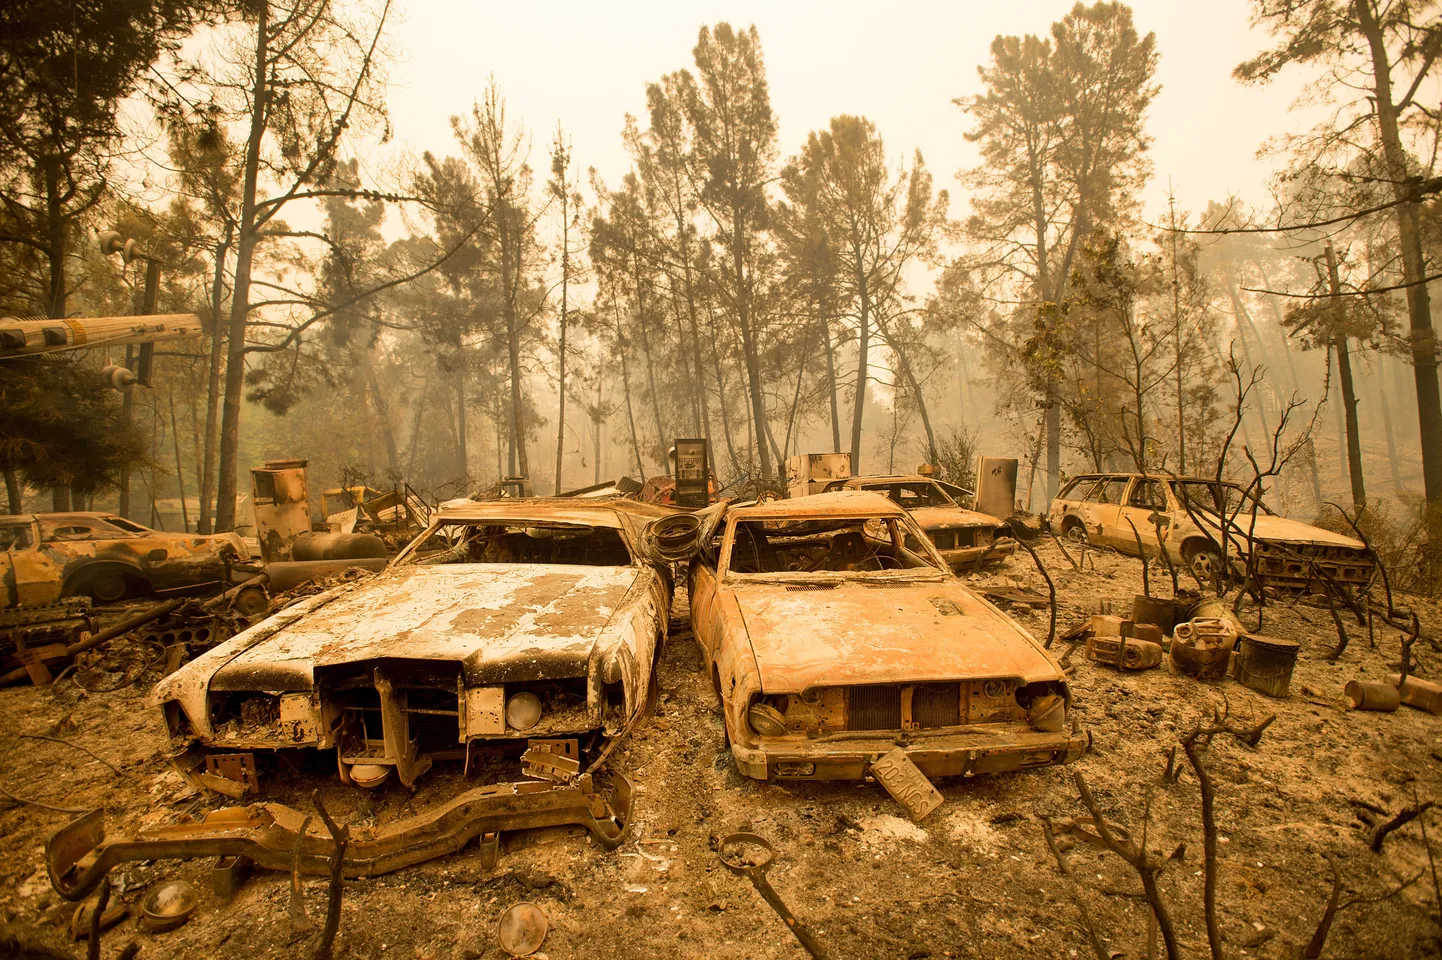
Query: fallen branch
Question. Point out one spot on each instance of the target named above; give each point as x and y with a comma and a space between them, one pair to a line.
1404, 816
299, 922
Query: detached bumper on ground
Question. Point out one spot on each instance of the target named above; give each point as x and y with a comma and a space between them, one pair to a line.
79, 855
946, 755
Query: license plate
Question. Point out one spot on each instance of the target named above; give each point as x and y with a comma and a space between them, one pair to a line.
906, 783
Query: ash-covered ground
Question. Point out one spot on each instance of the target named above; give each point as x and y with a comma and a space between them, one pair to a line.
975, 879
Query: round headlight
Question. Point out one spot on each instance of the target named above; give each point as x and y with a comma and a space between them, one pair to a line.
766, 720
523, 711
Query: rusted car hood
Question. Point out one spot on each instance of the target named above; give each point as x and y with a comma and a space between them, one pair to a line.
897, 633
501, 621
942, 518
1283, 530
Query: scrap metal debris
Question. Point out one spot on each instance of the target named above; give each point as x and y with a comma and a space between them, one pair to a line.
522, 929
79, 856
750, 856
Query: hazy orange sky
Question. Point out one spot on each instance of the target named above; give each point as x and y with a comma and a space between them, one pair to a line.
900, 64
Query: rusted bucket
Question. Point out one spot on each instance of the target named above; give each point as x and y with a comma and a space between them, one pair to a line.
1146, 609
1201, 646
1265, 664
1373, 695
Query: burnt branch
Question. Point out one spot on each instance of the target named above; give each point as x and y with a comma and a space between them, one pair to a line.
1050, 586
1404, 816
1342, 638
1064, 552
340, 834
1336, 906
1142, 555
1134, 854
1065, 866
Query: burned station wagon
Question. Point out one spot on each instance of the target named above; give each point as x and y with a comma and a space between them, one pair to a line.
1189, 514
834, 633
507, 626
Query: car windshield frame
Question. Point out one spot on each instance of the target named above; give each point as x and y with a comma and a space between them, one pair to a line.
886, 488
937, 569
1211, 508
410, 555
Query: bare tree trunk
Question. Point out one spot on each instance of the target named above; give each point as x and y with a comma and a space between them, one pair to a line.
831, 387
721, 397
212, 390
561, 382
240, 296
631, 414
748, 340
1349, 393
1392, 459
863, 343
383, 414
179, 469
644, 329
14, 492
462, 454
1419, 309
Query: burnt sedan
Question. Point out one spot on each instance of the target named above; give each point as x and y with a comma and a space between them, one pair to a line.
506, 626
835, 634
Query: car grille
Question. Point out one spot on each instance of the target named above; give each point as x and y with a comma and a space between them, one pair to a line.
876, 707
936, 705
954, 539
873, 708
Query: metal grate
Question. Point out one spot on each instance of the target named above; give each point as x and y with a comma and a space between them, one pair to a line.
936, 705
802, 587
873, 708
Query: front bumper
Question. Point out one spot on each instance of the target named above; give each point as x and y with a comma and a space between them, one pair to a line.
962, 560
959, 754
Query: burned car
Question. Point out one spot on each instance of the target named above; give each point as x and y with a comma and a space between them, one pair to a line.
834, 634
961, 536
45, 557
1195, 518
506, 626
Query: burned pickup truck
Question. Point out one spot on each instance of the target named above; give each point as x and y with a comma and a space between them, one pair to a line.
505, 627
835, 635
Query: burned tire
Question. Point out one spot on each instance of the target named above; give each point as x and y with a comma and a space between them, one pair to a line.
1074, 530
107, 586
1206, 565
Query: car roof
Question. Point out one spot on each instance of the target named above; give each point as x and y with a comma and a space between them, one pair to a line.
1147, 476
79, 515
839, 504
897, 478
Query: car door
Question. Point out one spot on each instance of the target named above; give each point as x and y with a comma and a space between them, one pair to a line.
1099, 510
1146, 510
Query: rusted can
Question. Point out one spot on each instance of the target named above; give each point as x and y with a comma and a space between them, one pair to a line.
1373, 695
1146, 609
1201, 647
1422, 694
1265, 664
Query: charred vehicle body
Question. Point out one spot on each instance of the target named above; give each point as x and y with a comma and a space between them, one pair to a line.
961, 536
507, 625
834, 634
1196, 518
46, 557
